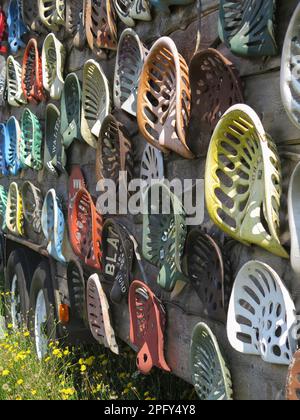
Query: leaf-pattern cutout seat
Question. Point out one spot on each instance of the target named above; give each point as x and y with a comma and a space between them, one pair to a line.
55, 158
164, 99
243, 180
70, 108
247, 26
96, 102
31, 141
164, 234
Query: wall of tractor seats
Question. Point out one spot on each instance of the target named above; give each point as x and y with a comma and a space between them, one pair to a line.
251, 376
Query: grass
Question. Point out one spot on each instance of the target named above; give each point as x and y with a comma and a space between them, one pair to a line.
84, 373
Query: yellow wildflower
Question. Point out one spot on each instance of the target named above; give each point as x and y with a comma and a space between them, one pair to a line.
19, 398
26, 334
82, 368
5, 372
33, 392
90, 361
9, 326
20, 382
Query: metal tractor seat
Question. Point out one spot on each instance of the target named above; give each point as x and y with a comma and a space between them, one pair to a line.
31, 17
164, 234
15, 94
76, 183
99, 316
3, 140
210, 374
53, 63
70, 108
117, 259
262, 315
53, 226
52, 13
243, 180
32, 75
164, 99
75, 22
96, 102
101, 26
3, 32
129, 64
3, 206
14, 211
13, 146
147, 327
131, 10
290, 64
16, 26
247, 26
32, 198
55, 158
77, 293
294, 222
3, 81
114, 153
85, 228
31, 141
216, 86
152, 165
205, 269
293, 379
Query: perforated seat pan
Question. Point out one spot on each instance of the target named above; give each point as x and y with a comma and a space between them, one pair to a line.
75, 22
16, 26
289, 75
54, 153
247, 26
101, 28
31, 141
130, 60
95, 102
262, 316
147, 327
53, 63
13, 146
15, 94
294, 222
164, 235
3, 144
164, 99
216, 86
52, 13
99, 314
70, 107
210, 375
32, 74
243, 180
114, 156
32, 206
53, 225
31, 18
3, 206
14, 211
